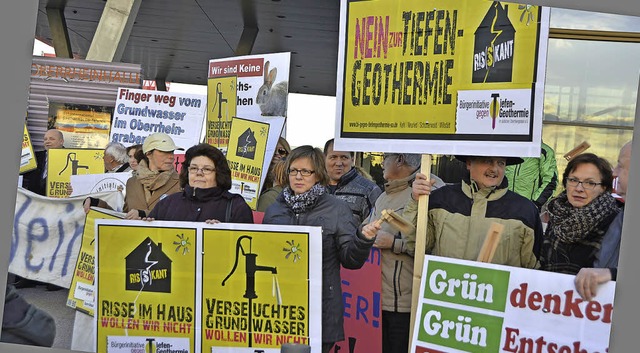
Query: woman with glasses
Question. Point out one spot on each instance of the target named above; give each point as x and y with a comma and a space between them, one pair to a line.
206, 180
305, 201
579, 216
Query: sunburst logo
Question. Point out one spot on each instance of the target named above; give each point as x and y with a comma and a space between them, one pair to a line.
292, 250
182, 243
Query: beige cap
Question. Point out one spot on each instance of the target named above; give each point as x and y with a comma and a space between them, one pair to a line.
159, 141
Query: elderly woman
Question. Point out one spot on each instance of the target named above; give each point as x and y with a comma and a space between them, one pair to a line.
155, 178
579, 216
305, 201
206, 179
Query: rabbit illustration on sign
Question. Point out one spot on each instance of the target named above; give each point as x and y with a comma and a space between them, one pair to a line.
271, 98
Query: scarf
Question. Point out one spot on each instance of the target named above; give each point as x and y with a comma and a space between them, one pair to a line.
303, 202
570, 224
152, 180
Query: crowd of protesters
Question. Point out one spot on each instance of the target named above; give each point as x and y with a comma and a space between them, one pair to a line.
308, 186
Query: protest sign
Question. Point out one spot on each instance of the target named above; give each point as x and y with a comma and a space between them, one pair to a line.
82, 126
46, 235
140, 113
27, 157
441, 76
246, 157
361, 293
92, 183
245, 86
468, 306
65, 162
261, 288
82, 291
204, 288
146, 287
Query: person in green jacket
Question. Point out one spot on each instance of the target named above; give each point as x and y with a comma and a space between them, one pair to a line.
535, 178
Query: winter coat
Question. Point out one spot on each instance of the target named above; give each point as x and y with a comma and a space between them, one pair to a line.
358, 192
397, 262
268, 197
23, 323
32, 180
461, 214
342, 244
198, 205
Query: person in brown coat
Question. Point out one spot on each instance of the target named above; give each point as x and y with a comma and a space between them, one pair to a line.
156, 178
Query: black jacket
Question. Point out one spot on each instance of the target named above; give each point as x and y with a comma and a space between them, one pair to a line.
198, 205
32, 180
342, 244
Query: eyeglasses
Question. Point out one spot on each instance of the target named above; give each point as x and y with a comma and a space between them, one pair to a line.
303, 172
203, 170
282, 152
587, 185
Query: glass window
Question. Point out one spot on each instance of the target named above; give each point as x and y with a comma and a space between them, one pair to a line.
591, 82
574, 19
605, 142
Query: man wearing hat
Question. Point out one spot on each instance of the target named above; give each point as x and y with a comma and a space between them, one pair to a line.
156, 177
461, 214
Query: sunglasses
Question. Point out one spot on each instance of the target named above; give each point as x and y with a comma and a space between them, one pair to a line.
282, 152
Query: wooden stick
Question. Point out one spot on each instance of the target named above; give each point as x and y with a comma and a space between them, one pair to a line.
421, 244
490, 244
396, 221
577, 150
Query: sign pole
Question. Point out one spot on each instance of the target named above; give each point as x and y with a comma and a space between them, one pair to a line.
421, 238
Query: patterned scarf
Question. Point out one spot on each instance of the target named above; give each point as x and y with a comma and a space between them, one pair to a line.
570, 224
303, 202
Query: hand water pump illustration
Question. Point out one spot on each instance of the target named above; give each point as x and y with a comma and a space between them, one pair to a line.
219, 102
250, 272
73, 158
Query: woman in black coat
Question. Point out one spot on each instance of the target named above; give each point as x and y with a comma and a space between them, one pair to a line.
206, 179
305, 201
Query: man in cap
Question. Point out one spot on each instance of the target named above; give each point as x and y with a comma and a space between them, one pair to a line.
461, 214
156, 178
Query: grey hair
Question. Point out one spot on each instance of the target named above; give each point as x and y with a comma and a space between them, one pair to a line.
117, 151
412, 159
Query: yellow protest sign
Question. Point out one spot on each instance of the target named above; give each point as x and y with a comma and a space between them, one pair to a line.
65, 162
221, 103
440, 70
82, 292
27, 157
247, 146
256, 289
146, 281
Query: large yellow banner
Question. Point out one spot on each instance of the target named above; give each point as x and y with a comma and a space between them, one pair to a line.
146, 288
440, 70
255, 289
